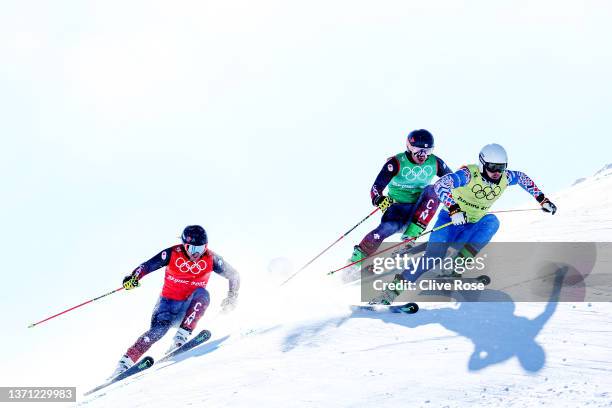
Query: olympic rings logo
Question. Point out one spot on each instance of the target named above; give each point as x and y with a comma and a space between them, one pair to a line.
188, 266
417, 173
487, 192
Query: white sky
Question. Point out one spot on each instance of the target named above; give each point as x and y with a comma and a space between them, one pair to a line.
266, 122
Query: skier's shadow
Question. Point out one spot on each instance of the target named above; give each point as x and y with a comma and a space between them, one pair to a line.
198, 351
497, 333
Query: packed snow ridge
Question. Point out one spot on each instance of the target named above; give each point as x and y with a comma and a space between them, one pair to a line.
603, 172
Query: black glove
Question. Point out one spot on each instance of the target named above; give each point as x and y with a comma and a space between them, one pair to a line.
383, 202
547, 205
130, 282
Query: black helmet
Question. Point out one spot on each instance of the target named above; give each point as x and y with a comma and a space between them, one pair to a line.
420, 138
194, 235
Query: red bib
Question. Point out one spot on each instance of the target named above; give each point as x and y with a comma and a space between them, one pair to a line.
183, 276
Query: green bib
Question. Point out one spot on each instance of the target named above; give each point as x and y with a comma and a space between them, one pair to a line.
478, 195
408, 184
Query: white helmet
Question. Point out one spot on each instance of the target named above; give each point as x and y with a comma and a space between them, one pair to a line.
493, 157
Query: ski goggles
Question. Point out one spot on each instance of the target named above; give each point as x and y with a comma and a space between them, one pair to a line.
195, 250
419, 151
496, 167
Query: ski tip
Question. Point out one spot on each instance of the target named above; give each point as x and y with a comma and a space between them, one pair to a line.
204, 335
484, 279
147, 361
31, 325
141, 365
411, 308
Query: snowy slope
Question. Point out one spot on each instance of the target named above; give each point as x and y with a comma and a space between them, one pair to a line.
584, 214
302, 346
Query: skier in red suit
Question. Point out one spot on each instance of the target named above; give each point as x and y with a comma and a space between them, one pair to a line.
184, 297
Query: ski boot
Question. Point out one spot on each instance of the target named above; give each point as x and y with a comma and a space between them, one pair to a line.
179, 339
387, 296
358, 255
409, 237
352, 273
123, 365
412, 231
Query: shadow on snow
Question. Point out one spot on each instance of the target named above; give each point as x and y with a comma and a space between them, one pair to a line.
492, 326
205, 348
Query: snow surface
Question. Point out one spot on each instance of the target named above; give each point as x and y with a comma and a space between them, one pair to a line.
301, 346
585, 214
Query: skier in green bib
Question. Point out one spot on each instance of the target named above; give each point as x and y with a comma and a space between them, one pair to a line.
411, 202
467, 195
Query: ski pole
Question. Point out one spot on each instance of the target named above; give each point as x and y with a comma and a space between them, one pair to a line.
520, 210
75, 307
331, 245
392, 246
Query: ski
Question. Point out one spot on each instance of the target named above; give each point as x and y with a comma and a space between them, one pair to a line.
135, 369
408, 308
202, 337
147, 362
